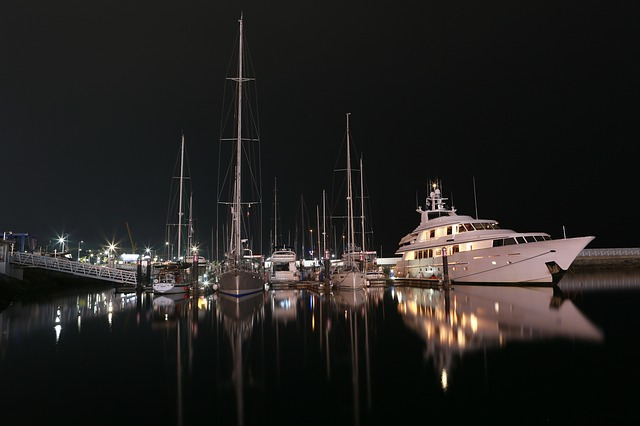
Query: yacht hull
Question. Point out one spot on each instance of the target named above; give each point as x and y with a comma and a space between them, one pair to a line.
541, 262
239, 282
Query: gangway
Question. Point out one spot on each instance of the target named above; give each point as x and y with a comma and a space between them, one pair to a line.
80, 269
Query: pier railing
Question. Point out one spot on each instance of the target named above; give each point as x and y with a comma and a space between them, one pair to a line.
86, 270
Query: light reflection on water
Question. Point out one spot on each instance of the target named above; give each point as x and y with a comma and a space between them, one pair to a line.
288, 356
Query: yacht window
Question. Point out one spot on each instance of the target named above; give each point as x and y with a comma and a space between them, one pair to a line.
530, 239
456, 249
547, 238
498, 243
449, 230
430, 253
461, 228
539, 238
509, 241
432, 234
520, 240
478, 226
487, 226
468, 226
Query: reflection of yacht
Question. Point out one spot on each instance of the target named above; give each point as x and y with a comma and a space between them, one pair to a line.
169, 306
477, 251
284, 305
470, 318
239, 317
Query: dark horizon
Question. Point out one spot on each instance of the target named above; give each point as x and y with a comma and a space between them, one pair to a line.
534, 102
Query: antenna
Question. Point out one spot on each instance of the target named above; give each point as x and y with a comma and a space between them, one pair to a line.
475, 201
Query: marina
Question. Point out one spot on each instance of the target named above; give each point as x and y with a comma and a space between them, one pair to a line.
523, 312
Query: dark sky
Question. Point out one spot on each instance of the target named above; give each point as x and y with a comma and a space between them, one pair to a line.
537, 101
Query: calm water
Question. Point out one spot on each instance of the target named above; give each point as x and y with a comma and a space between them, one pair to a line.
469, 355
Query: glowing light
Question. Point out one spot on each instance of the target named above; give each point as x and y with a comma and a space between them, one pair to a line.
444, 380
474, 323
58, 329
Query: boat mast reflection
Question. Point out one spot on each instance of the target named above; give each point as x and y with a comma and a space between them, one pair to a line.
239, 316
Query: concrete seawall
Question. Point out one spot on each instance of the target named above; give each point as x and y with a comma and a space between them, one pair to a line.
608, 258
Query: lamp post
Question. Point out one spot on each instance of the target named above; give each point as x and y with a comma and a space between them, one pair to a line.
79, 242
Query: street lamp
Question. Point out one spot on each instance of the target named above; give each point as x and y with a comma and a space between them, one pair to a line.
62, 240
169, 254
79, 242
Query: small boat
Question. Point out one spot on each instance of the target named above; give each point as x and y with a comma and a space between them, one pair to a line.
349, 273
463, 249
242, 272
169, 279
283, 267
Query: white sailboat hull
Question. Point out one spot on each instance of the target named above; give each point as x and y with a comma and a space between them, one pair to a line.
240, 282
541, 262
349, 280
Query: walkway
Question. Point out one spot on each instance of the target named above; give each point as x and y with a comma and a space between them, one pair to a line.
86, 270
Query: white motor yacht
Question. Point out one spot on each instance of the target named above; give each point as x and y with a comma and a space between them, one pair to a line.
446, 246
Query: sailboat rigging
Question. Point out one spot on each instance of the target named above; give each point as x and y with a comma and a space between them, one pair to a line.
243, 268
350, 272
172, 275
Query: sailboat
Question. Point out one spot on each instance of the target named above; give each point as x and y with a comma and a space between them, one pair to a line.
170, 276
242, 271
350, 273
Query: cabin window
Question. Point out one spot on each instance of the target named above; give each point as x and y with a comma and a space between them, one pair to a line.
539, 238
520, 240
461, 228
455, 249
530, 239
449, 230
498, 243
430, 253
432, 233
509, 241
468, 226
478, 226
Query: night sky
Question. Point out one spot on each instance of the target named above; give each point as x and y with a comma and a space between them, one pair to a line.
535, 101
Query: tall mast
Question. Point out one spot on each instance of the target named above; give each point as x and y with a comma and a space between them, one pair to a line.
350, 231
238, 183
180, 197
318, 225
275, 214
362, 205
190, 233
324, 231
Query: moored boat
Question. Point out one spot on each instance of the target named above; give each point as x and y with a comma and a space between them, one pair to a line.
459, 248
350, 272
242, 273
168, 278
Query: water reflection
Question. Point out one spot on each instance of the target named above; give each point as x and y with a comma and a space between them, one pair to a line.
465, 319
239, 316
313, 355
